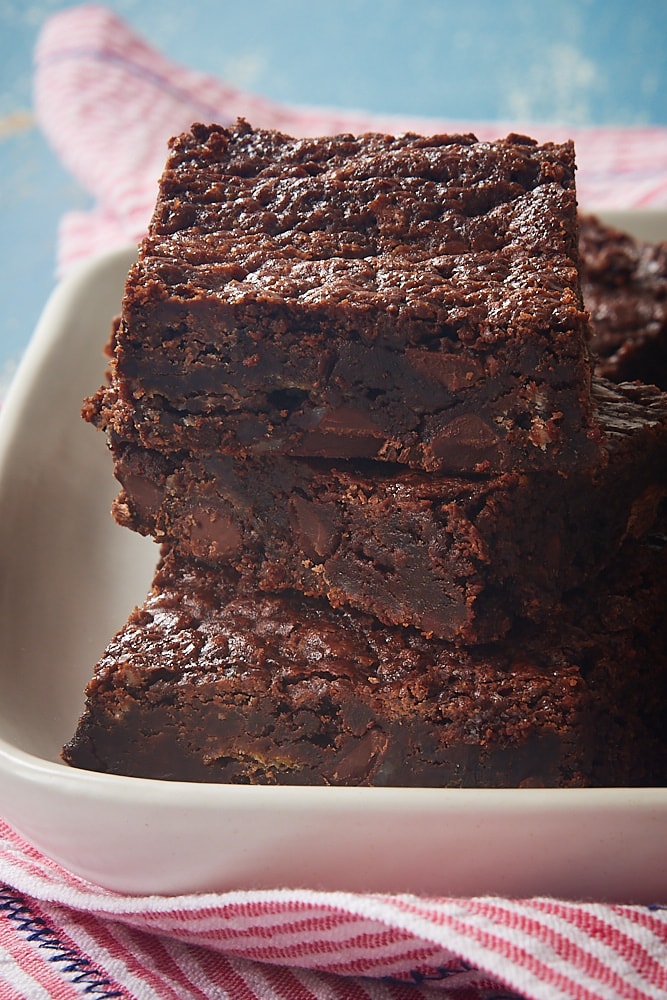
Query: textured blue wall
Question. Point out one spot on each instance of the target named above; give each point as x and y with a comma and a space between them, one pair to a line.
578, 61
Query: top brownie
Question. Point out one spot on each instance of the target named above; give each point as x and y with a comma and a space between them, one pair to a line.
407, 298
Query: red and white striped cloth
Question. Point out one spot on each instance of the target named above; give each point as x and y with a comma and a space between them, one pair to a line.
108, 102
61, 937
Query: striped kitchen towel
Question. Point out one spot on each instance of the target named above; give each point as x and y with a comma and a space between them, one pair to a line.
61, 937
108, 102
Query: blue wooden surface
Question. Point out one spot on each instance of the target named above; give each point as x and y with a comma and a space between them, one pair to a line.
573, 61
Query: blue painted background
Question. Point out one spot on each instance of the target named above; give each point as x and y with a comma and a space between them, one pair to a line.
568, 61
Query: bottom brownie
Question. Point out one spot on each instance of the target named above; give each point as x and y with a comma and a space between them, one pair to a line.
207, 683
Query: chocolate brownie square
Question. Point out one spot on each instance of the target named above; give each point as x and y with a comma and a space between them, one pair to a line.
405, 298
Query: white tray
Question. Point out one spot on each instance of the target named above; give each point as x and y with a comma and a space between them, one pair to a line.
68, 578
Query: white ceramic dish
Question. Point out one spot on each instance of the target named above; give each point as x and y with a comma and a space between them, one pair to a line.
68, 578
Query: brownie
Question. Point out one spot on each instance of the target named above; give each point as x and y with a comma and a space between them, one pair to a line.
405, 298
624, 283
209, 683
459, 558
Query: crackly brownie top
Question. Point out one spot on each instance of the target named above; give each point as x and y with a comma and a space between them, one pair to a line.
443, 229
630, 412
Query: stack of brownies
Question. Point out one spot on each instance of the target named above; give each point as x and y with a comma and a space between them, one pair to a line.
409, 537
